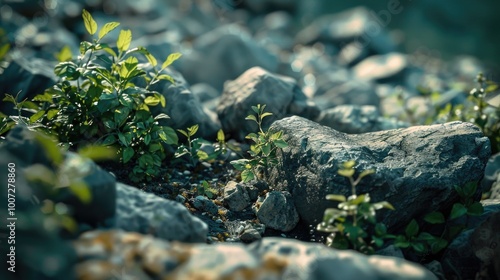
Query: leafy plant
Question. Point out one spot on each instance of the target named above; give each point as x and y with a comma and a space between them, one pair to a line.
423, 243
193, 147
349, 225
97, 100
206, 190
263, 151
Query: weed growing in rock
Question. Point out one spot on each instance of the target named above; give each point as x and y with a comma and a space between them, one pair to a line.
96, 100
441, 230
355, 215
263, 151
193, 149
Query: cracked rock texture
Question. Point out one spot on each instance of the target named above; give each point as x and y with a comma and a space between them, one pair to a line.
416, 168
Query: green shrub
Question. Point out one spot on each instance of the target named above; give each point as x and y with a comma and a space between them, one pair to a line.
350, 224
96, 100
191, 150
263, 151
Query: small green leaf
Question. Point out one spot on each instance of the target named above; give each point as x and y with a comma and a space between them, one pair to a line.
349, 164
336, 197
366, 173
475, 209
170, 59
251, 118
457, 210
346, 172
38, 115
256, 109
412, 229
280, 143
166, 77
469, 189
266, 114
418, 247
89, 22
171, 135
220, 136
124, 39
162, 116
108, 27
50, 147
109, 140
425, 236
98, 153
65, 54
152, 100
52, 113
183, 132
82, 191
438, 245
247, 175
122, 139
4, 49
193, 129
147, 139
434, 218
128, 153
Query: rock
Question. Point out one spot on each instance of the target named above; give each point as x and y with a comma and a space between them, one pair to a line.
381, 67
40, 251
204, 92
280, 94
356, 119
128, 255
184, 108
250, 235
420, 163
149, 214
101, 185
340, 88
352, 53
278, 212
224, 54
485, 242
24, 79
354, 25
491, 173
462, 257
204, 204
391, 251
236, 196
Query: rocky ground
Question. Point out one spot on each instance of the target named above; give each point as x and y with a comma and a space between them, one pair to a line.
337, 91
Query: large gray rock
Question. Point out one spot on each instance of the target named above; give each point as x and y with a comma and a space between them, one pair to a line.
184, 108
280, 94
355, 119
24, 79
381, 67
224, 54
412, 165
277, 211
236, 196
269, 258
147, 213
354, 25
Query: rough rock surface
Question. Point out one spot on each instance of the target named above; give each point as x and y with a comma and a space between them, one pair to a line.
236, 196
127, 255
257, 86
412, 165
277, 211
355, 119
149, 214
184, 108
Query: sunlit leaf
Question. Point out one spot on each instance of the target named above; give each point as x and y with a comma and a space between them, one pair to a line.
65, 54
124, 39
98, 153
346, 172
108, 27
82, 191
89, 22
336, 197
170, 59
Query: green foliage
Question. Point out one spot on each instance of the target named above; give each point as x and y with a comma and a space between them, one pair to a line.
263, 151
97, 101
206, 190
350, 224
442, 229
192, 150
486, 116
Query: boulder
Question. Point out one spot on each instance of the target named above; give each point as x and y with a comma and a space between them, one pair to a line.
353, 25
125, 255
354, 119
183, 107
381, 67
236, 196
277, 211
280, 94
224, 54
413, 165
149, 214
